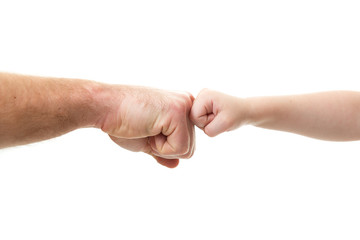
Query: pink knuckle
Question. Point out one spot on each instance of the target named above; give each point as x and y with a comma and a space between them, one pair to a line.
186, 99
180, 107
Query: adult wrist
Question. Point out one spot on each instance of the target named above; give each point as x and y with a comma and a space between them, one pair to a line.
95, 99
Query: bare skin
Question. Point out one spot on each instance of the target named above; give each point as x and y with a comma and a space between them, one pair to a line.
331, 116
136, 118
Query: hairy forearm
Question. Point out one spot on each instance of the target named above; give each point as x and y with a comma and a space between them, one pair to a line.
331, 116
38, 108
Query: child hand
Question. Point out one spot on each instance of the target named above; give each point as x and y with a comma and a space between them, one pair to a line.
216, 112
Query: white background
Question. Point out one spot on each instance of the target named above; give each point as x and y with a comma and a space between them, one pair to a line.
247, 184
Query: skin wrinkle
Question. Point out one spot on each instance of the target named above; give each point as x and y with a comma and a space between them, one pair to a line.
187, 135
158, 106
188, 140
189, 149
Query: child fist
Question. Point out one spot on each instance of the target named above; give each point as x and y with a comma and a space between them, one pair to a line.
216, 112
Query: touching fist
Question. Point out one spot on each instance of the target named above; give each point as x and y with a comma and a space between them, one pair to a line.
150, 120
216, 112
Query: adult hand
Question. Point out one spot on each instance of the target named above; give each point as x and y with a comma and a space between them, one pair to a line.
150, 120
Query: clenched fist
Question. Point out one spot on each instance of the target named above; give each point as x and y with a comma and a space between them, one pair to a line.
215, 112
149, 120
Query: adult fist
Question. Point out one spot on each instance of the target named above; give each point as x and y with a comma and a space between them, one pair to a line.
150, 120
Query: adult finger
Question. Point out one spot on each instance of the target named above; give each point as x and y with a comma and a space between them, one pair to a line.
170, 163
176, 144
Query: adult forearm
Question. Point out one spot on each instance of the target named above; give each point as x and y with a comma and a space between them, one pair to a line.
328, 115
38, 108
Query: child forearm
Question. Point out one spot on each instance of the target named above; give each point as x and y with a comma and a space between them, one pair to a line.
331, 116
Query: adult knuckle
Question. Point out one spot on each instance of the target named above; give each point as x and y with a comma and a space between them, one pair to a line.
185, 98
179, 106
